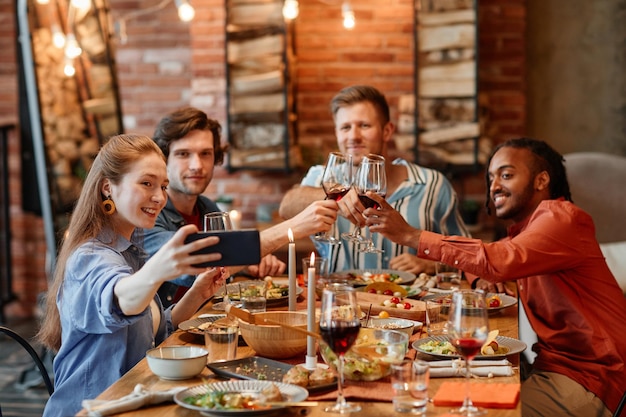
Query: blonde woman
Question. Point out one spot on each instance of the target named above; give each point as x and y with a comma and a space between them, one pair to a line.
103, 312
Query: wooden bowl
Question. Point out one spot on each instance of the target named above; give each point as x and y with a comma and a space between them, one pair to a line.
274, 341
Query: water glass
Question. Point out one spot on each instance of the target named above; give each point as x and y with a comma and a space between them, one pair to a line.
320, 269
448, 277
252, 295
437, 317
221, 342
409, 380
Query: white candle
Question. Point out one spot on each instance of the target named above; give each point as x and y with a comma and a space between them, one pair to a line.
292, 272
310, 348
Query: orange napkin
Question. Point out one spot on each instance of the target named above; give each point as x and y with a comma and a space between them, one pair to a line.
496, 395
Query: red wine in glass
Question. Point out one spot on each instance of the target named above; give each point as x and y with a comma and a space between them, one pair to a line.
336, 193
467, 346
341, 336
368, 202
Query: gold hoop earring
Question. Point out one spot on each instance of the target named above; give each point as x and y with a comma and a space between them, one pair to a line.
108, 206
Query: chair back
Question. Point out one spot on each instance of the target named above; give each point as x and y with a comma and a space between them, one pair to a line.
33, 354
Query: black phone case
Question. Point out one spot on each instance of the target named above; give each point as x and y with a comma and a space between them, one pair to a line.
238, 247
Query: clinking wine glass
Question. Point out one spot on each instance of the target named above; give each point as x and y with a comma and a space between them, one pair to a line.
355, 236
371, 177
336, 182
468, 327
339, 327
219, 220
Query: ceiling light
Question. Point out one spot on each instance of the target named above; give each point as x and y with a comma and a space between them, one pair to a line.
348, 16
185, 10
291, 9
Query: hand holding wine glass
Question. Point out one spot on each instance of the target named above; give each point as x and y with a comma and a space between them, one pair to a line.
371, 177
339, 327
336, 182
468, 327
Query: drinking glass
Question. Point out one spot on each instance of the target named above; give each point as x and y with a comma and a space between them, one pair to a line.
339, 327
468, 327
336, 182
355, 236
371, 177
219, 220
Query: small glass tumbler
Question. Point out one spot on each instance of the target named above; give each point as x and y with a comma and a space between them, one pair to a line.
221, 342
252, 295
409, 380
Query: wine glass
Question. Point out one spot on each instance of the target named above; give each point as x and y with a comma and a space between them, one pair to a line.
355, 236
219, 220
336, 182
371, 177
468, 327
339, 327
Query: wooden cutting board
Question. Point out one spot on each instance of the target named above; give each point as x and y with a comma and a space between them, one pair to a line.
417, 311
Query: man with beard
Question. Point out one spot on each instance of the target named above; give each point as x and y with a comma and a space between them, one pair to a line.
191, 142
572, 300
424, 196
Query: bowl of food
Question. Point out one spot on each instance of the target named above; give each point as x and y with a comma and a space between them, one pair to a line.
371, 356
177, 362
273, 340
391, 323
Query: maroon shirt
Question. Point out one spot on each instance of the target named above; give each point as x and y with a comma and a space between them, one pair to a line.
572, 300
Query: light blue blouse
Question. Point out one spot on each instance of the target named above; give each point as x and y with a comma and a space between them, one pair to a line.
99, 342
425, 199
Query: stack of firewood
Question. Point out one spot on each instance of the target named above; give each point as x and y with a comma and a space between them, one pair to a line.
449, 125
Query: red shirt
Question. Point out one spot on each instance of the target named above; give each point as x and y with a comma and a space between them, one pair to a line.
572, 300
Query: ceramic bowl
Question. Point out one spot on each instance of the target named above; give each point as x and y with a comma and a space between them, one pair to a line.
177, 362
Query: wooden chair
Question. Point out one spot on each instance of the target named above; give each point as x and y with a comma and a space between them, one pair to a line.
33, 354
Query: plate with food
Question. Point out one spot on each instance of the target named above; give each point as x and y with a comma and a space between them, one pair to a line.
241, 398
495, 302
200, 323
263, 369
362, 277
494, 347
277, 292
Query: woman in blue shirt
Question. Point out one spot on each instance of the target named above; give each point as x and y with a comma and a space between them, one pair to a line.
103, 313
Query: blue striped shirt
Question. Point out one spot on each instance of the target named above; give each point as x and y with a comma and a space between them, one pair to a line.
425, 199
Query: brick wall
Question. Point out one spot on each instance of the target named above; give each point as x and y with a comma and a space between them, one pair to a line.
167, 64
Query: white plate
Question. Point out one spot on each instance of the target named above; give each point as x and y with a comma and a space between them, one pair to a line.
193, 325
405, 277
514, 346
291, 393
507, 300
233, 288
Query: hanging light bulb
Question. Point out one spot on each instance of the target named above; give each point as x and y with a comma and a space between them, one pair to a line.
68, 69
291, 8
348, 16
58, 38
185, 11
72, 49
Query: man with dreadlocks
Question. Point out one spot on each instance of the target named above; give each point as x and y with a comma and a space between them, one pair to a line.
572, 300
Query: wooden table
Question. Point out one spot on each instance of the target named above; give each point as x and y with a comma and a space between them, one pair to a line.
505, 321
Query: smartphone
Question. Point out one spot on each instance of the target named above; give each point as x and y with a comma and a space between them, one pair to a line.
238, 247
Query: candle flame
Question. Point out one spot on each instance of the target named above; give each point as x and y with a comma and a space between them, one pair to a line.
290, 234
312, 259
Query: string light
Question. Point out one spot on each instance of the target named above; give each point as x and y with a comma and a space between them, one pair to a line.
58, 38
186, 12
72, 49
291, 9
348, 16
68, 68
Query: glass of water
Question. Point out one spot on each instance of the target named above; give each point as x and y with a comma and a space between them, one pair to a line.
409, 380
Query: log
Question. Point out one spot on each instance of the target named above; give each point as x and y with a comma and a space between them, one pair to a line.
447, 88
465, 70
447, 18
272, 81
266, 103
252, 14
263, 135
442, 56
460, 131
444, 37
445, 5
443, 110
255, 48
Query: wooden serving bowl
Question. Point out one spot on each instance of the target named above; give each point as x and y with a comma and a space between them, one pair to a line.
275, 341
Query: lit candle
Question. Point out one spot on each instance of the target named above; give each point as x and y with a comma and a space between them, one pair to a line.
311, 357
235, 218
292, 271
